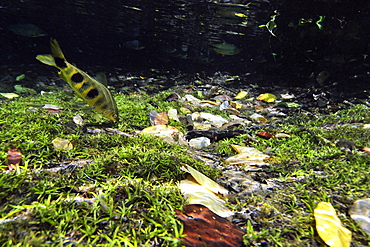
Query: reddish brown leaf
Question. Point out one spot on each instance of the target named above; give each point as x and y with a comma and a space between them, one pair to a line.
14, 158
206, 229
265, 135
173, 97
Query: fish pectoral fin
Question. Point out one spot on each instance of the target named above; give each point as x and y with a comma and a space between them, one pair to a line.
46, 59
62, 76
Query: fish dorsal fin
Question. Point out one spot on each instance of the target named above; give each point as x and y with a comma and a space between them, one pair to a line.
55, 49
102, 78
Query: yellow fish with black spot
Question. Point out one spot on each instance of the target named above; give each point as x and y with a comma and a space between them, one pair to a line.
94, 93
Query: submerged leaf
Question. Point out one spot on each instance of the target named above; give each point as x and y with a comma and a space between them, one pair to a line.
9, 95
360, 212
329, 226
267, 97
250, 158
62, 144
205, 181
158, 118
14, 158
167, 133
195, 193
241, 95
204, 228
20, 77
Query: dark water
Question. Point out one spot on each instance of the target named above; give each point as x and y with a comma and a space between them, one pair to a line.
178, 35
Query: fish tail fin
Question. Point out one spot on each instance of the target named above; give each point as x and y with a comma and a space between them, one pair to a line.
56, 52
46, 59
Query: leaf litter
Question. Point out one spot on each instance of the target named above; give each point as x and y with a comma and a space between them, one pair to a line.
248, 175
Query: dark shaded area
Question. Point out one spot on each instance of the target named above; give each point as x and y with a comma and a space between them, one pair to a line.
178, 36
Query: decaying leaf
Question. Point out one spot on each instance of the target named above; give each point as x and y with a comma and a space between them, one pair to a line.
52, 108
14, 158
204, 228
329, 226
250, 158
360, 212
264, 135
62, 144
158, 118
167, 133
78, 120
236, 105
195, 193
172, 114
258, 118
267, 97
199, 189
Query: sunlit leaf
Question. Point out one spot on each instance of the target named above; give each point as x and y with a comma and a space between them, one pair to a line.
62, 144
250, 158
241, 94
195, 193
329, 226
9, 95
267, 97
205, 181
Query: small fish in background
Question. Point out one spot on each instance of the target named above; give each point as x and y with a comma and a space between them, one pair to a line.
133, 45
93, 92
28, 30
225, 49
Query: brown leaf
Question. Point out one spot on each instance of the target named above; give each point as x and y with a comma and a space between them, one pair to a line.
14, 158
158, 118
264, 135
205, 228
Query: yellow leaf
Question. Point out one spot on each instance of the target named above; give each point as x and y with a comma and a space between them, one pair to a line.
9, 95
267, 97
329, 226
241, 95
205, 181
62, 144
236, 105
197, 194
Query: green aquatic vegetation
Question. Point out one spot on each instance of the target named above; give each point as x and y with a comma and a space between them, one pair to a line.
109, 190
314, 169
114, 190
